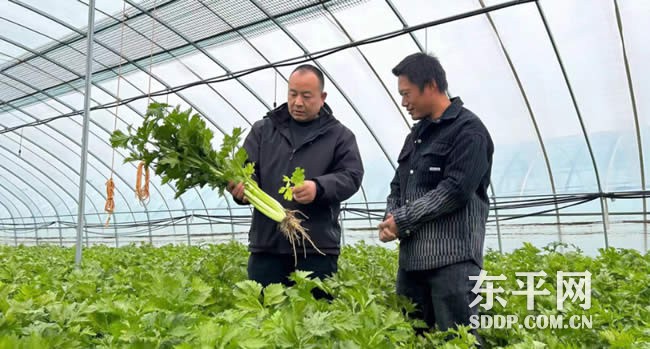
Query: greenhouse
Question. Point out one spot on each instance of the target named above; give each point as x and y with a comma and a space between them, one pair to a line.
91, 260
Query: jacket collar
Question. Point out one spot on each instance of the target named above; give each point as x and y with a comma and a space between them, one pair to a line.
280, 117
451, 113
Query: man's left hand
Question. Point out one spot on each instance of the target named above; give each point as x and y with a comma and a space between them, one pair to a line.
306, 193
388, 229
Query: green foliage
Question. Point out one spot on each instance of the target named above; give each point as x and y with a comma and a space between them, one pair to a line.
296, 180
179, 145
198, 297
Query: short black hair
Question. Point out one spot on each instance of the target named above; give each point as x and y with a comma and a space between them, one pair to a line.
422, 69
310, 68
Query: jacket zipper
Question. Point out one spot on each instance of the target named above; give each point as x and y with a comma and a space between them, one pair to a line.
309, 140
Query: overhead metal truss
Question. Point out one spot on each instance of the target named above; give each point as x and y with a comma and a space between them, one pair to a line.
127, 45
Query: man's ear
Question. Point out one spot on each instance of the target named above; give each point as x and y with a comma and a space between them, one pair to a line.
433, 86
323, 95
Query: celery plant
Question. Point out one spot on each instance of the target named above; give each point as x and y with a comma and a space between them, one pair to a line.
179, 146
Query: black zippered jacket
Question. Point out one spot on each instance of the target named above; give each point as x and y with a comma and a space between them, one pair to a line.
439, 194
330, 157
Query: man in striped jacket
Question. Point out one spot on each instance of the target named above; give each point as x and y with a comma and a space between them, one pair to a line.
438, 204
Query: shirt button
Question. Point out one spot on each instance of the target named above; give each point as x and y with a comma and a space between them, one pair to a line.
411, 171
407, 201
408, 232
419, 141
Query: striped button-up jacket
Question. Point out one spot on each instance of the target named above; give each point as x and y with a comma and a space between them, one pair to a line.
439, 193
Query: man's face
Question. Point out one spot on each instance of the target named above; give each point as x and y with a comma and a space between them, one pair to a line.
417, 103
305, 96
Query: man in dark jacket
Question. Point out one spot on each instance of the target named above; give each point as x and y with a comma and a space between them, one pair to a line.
438, 204
301, 133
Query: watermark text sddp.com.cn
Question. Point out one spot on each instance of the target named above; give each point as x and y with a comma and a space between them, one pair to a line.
570, 287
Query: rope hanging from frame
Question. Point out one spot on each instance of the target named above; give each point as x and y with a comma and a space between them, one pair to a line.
142, 190
109, 207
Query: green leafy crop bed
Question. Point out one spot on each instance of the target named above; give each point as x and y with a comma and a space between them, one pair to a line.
197, 297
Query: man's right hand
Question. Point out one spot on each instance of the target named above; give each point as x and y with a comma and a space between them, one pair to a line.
387, 229
237, 191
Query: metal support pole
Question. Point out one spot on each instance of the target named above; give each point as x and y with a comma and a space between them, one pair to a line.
35, 230
47, 230
603, 201
187, 227
496, 217
146, 211
645, 226
232, 226
117, 238
635, 111
557, 218
15, 230
578, 113
84, 137
60, 232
